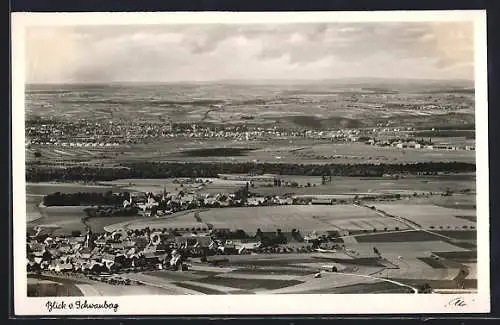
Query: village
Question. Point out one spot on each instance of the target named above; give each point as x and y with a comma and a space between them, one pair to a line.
97, 256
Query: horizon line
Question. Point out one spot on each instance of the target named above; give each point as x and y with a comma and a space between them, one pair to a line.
257, 81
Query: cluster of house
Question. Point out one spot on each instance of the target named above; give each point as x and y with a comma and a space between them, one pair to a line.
125, 251
74, 144
150, 204
417, 145
115, 133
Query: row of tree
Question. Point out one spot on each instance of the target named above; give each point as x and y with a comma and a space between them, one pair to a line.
36, 173
85, 198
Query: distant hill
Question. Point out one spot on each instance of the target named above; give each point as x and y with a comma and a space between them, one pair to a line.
320, 104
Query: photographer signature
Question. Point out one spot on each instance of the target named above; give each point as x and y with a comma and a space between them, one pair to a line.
456, 302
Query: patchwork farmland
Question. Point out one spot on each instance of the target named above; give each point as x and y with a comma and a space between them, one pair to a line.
337, 218
430, 216
218, 189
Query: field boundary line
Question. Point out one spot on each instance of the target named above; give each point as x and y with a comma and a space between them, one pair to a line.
415, 290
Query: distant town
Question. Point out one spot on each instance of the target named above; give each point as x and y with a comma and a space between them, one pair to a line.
86, 134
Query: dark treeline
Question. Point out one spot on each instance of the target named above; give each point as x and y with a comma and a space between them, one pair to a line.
85, 198
46, 174
110, 211
167, 169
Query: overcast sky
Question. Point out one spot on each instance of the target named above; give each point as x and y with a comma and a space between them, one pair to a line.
170, 53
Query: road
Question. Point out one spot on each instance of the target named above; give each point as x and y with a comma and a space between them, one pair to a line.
415, 290
332, 280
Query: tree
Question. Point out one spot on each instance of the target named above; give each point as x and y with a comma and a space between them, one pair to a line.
75, 233
424, 288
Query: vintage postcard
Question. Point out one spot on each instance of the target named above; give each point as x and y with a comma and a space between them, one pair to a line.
287, 163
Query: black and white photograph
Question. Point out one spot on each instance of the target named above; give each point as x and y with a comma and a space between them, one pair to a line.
280, 162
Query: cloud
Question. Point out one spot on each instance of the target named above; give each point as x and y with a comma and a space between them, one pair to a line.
281, 51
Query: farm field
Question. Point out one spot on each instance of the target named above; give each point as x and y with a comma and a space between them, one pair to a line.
397, 237
98, 224
328, 281
249, 284
431, 216
32, 207
275, 270
372, 186
459, 234
346, 186
461, 256
82, 286
274, 150
358, 152
376, 287
48, 188
41, 286
407, 249
54, 154
68, 218
304, 218
209, 185
441, 284
264, 277
440, 263
200, 288
65, 219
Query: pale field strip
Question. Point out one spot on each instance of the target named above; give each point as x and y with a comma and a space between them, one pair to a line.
132, 290
66, 153
153, 281
427, 273
326, 281
406, 250
349, 240
308, 218
259, 276
39, 281
96, 288
175, 224
212, 268
88, 290
429, 215
221, 288
81, 187
353, 152
363, 270
278, 258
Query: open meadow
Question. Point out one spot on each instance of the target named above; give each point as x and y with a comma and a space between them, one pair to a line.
374, 185
305, 151
430, 216
306, 218
64, 219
